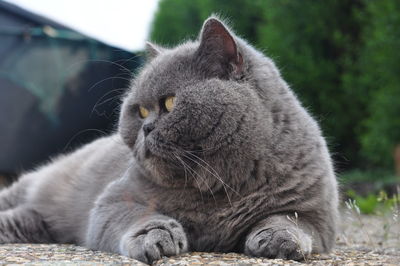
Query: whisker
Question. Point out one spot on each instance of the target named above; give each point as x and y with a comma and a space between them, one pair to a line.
184, 168
102, 61
105, 79
222, 183
201, 179
196, 179
111, 62
215, 172
107, 100
203, 150
81, 132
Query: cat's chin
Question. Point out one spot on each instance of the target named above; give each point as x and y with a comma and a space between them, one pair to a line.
163, 172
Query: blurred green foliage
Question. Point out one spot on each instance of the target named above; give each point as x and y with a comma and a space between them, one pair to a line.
378, 177
380, 203
380, 67
342, 58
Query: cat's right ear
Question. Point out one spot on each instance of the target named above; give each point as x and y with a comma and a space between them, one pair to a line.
153, 50
219, 48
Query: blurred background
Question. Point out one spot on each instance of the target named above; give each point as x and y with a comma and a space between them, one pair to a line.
341, 57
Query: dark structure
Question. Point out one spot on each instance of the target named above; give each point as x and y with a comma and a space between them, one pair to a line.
58, 88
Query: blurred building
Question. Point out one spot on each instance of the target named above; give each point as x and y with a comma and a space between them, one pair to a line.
58, 88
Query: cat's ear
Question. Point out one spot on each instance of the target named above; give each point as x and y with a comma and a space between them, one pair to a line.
153, 50
217, 42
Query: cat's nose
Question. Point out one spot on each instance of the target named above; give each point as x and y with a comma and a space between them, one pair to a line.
147, 128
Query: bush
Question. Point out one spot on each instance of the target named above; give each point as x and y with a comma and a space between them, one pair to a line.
380, 68
316, 52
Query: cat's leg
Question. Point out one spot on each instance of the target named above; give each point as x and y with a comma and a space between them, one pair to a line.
23, 225
284, 237
119, 224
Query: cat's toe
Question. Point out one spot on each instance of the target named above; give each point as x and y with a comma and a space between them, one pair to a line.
289, 249
154, 240
278, 243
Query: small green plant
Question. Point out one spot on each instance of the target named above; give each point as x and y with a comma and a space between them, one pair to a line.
366, 205
352, 206
374, 204
385, 206
392, 203
295, 236
389, 202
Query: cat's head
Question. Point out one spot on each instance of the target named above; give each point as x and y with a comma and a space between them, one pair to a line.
192, 116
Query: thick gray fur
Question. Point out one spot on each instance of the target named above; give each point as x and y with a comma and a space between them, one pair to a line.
238, 165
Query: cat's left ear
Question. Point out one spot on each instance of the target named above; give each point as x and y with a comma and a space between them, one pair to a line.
153, 50
218, 44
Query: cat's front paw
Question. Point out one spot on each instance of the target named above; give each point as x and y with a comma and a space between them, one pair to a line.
279, 243
152, 240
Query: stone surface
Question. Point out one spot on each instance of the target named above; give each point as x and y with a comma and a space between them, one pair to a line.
35, 254
364, 240
38, 254
338, 257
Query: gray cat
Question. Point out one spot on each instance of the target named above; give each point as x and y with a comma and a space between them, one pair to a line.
213, 153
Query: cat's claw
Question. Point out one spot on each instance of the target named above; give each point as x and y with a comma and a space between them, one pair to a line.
153, 240
278, 243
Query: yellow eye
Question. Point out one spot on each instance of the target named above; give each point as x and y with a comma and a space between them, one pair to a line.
169, 103
143, 112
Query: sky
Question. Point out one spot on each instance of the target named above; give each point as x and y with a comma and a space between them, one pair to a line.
121, 23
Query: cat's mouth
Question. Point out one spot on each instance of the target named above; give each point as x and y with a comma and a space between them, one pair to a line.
161, 154
165, 165
172, 157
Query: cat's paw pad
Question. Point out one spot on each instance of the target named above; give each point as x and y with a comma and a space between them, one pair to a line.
153, 240
279, 243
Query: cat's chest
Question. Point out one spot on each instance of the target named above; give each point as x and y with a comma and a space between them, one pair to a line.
210, 224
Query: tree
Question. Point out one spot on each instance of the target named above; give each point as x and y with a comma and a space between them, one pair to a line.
315, 43
380, 65
177, 20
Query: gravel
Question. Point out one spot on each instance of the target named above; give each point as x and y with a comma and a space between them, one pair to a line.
364, 240
41, 254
